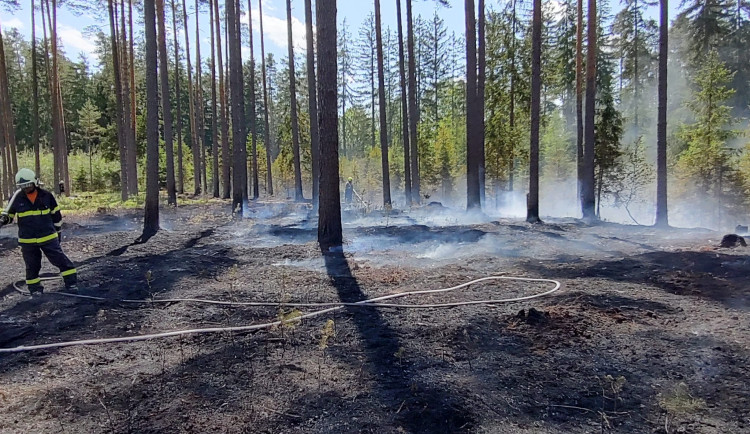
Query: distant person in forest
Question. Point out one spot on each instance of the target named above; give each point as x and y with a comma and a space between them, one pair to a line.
349, 191
39, 225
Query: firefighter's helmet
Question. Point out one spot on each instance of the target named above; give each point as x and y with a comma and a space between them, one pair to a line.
25, 178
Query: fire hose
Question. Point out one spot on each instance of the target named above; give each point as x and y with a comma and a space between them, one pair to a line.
328, 307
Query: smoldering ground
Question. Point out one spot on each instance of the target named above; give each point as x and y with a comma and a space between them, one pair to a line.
658, 308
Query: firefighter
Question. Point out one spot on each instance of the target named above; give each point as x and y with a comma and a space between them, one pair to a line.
348, 191
39, 225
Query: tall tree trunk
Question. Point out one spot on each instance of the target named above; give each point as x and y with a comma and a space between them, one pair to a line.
481, 80
588, 202
373, 56
151, 218
382, 106
404, 107
579, 99
214, 120
472, 116
329, 221
199, 110
312, 104
635, 74
131, 54
7, 141
58, 129
119, 102
662, 218
166, 103
512, 117
293, 96
192, 107
253, 111
35, 93
239, 185
180, 169
532, 214
413, 110
266, 106
226, 167
132, 153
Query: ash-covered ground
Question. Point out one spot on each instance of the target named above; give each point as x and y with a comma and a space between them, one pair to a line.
649, 332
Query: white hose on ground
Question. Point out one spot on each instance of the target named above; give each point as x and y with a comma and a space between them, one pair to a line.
336, 306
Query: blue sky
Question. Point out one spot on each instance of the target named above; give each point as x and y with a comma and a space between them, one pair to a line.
75, 40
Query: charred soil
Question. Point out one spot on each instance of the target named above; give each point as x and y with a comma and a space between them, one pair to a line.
649, 332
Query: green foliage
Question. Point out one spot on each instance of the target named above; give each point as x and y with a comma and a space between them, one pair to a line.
706, 157
557, 149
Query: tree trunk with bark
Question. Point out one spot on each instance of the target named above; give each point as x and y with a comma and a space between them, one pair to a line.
226, 159
199, 111
192, 107
312, 103
128, 101
35, 93
382, 106
588, 193
214, 111
662, 218
404, 107
151, 218
58, 127
472, 116
481, 80
266, 106
293, 97
166, 103
239, 193
329, 221
253, 111
413, 110
119, 101
532, 214
180, 169
579, 98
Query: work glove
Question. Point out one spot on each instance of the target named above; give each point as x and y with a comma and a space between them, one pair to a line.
4, 220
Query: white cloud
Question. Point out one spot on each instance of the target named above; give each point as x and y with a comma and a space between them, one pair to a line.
73, 38
275, 30
13, 23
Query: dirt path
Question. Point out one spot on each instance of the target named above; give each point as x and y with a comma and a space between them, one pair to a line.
648, 334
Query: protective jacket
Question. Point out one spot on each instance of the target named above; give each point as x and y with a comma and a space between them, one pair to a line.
38, 222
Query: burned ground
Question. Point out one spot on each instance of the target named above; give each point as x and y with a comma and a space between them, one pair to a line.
649, 332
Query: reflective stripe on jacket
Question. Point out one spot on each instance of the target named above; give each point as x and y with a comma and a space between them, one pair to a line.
38, 222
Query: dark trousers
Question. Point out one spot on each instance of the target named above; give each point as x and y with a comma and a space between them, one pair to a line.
32, 256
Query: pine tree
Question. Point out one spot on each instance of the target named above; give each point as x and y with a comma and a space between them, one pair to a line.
706, 155
90, 132
636, 43
707, 24
346, 72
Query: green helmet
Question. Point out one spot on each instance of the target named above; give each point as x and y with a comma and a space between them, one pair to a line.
350, 179
25, 177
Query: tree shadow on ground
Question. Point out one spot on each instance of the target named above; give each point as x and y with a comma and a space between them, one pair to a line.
57, 318
426, 410
709, 275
